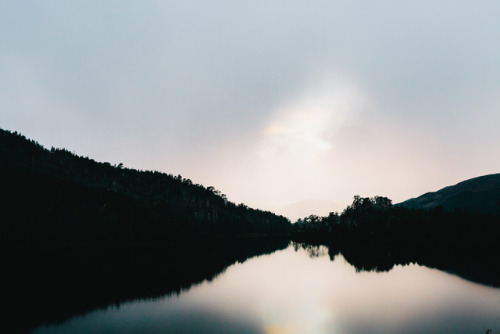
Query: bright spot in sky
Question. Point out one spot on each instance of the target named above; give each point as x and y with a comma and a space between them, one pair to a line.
274, 329
301, 128
308, 124
298, 142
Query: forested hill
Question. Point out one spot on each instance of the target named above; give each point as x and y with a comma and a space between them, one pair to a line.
55, 193
480, 195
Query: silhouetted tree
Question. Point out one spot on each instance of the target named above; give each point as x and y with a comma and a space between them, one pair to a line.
126, 202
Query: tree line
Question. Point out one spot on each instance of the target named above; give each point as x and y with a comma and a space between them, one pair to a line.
58, 193
377, 219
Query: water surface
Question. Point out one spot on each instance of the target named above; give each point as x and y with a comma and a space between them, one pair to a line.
302, 291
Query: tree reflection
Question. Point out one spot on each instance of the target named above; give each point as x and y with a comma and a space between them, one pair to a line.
49, 285
471, 261
313, 251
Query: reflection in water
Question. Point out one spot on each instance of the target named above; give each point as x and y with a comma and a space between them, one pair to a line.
311, 250
477, 262
300, 290
47, 285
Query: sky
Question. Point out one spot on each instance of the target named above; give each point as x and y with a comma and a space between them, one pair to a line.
289, 106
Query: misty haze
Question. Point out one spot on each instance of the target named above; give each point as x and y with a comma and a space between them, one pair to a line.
262, 167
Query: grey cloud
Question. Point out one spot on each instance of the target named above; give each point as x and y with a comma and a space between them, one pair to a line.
137, 81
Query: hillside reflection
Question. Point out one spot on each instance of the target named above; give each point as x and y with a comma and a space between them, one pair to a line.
48, 285
300, 290
474, 262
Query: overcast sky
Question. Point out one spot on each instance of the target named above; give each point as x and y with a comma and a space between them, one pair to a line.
290, 106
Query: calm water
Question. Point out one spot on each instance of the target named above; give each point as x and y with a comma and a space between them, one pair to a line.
303, 291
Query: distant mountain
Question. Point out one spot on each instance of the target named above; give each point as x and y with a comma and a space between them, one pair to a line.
480, 195
307, 207
55, 194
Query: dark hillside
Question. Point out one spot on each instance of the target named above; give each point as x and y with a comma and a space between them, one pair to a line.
480, 195
57, 194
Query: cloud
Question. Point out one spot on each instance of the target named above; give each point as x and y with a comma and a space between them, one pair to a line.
300, 137
310, 121
275, 329
268, 101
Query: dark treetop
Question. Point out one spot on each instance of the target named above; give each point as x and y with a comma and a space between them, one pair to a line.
58, 195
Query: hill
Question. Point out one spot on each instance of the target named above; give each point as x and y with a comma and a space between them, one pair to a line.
58, 195
480, 195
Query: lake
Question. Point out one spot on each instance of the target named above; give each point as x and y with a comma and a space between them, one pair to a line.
305, 290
